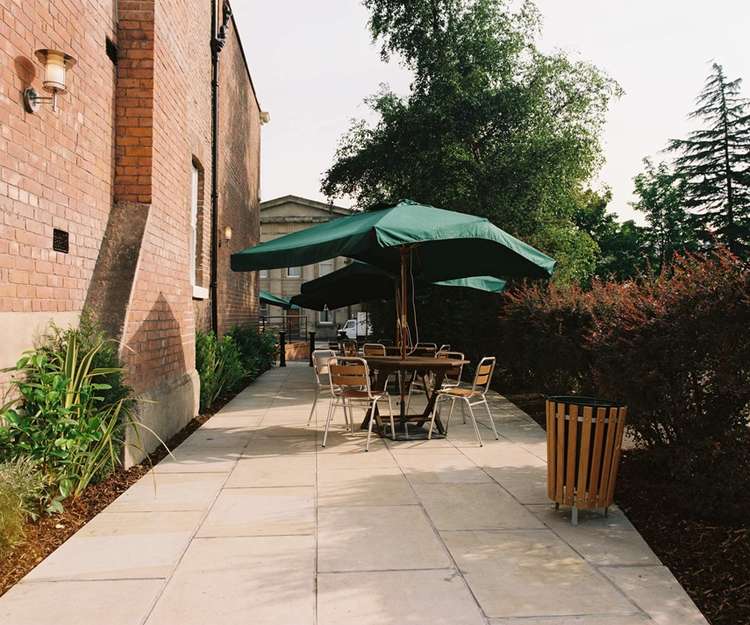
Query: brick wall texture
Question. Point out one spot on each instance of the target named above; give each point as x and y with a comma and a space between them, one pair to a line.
113, 165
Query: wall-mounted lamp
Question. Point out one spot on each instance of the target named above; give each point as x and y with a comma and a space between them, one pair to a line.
265, 117
228, 233
56, 64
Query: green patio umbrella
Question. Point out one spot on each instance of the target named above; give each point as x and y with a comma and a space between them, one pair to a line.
274, 300
410, 240
360, 282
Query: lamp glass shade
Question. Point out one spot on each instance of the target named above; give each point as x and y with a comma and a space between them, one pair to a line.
55, 65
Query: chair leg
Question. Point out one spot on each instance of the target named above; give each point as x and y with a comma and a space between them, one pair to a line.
331, 410
432, 419
369, 428
312, 410
474, 421
390, 415
492, 421
453, 405
347, 413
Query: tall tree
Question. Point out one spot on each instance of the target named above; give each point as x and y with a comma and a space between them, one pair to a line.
620, 246
715, 164
661, 197
491, 125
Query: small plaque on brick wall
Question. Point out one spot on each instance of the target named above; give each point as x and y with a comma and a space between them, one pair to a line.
60, 241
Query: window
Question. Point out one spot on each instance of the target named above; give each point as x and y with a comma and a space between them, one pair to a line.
196, 229
264, 311
325, 267
325, 317
263, 274
294, 272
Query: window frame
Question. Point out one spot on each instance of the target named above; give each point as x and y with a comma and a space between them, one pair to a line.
196, 173
289, 275
329, 315
331, 262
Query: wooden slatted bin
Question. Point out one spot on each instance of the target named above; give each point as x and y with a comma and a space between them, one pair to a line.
584, 440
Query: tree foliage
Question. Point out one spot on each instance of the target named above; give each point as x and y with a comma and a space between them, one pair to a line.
620, 246
714, 164
661, 197
491, 125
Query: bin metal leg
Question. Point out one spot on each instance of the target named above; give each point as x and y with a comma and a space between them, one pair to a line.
574, 516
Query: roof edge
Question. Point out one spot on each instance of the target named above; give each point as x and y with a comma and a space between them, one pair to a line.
277, 201
244, 58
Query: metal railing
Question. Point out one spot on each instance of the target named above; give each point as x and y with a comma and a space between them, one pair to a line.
293, 325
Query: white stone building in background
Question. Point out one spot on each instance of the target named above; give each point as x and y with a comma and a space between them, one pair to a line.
291, 213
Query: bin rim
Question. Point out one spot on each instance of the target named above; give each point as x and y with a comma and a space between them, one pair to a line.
584, 400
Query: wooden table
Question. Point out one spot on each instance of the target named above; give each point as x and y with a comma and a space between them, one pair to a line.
384, 366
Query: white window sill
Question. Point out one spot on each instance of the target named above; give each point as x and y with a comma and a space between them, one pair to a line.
200, 292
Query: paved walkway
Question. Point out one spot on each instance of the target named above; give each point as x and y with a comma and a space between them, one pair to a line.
255, 524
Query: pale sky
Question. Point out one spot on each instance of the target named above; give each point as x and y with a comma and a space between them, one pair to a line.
313, 63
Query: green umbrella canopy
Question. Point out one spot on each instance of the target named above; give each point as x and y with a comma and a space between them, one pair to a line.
444, 245
274, 300
359, 282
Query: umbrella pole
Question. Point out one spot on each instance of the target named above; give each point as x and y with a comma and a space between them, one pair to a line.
404, 313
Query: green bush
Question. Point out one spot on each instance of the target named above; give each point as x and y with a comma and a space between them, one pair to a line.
219, 367
224, 365
71, 408
23, 489
257, 349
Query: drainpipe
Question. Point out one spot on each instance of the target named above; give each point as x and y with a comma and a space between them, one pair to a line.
218, 39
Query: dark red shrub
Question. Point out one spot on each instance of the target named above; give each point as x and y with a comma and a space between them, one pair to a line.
677, 350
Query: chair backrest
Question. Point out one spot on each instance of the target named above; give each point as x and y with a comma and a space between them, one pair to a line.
452, 375
445, 347
483, 375
349, 373
321, 359
432, 346
424, 349
349, 348
373, 349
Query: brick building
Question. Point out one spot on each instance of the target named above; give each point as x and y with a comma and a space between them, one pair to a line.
124, 170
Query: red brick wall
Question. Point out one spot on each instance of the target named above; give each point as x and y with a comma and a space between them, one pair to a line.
55, 167
159, 327
239, 181
113, 167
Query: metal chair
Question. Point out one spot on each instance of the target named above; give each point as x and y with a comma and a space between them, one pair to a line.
348, 348
452, 376
373, 349
321, 358
473, 396
350, 383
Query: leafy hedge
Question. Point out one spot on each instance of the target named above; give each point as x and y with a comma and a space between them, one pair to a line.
225, 365
675, 349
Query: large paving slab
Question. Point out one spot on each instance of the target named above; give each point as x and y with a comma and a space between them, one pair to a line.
241, 580
369, 538
438, 597
253, 521
531, 573
114, 602
122, 545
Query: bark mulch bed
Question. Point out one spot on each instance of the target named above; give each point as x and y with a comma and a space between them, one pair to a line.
711, 560
43, 536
